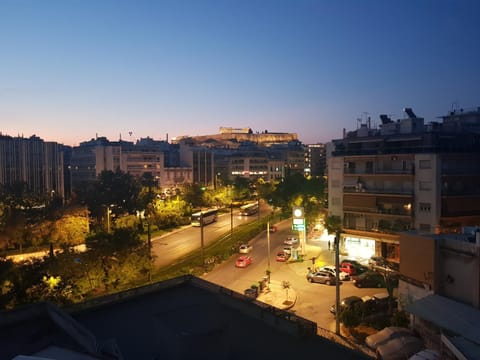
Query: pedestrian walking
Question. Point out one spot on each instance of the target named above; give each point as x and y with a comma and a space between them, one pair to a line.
328, 245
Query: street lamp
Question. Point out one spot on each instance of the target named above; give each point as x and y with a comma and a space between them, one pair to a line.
109, 211
144, 215
337, 282
258, 204
231, 220
202, 244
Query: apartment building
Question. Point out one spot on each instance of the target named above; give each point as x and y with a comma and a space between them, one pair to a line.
145, 156
404, 175
37, 163
315, 160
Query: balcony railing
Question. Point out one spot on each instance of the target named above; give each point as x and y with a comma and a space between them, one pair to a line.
378, 171
356, 189
379, 211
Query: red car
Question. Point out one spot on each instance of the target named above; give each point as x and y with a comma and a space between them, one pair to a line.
243, 261
282, 256
272, 228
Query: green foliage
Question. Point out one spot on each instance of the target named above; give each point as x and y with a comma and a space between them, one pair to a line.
171, 213
400, 318
119, 240
350, 317
70, 230
333, 224
193, 194
119, 190
296, 190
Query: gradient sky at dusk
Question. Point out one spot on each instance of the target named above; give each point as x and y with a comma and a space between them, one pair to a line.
71, 69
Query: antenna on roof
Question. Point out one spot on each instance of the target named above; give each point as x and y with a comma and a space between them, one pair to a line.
410, 113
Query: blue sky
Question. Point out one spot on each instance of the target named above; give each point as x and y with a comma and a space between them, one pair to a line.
71, 69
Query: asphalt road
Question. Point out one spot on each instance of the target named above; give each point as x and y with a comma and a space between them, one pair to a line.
313, 300
167, 248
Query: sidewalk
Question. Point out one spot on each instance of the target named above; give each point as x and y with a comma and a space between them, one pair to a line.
276, 296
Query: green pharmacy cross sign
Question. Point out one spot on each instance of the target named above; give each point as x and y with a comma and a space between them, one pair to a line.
298, 218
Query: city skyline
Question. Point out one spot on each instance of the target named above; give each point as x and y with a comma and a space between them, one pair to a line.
72, 71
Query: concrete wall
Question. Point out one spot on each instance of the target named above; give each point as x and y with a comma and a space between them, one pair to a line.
417, 258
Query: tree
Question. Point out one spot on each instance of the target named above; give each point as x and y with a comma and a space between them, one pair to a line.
296, 190
193, 194
286, 286
333, 224
69, 230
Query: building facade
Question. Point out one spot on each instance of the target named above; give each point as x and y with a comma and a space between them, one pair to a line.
37, 163
145, 156
404, 176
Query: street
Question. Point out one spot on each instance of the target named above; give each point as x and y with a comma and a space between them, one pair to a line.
313, 300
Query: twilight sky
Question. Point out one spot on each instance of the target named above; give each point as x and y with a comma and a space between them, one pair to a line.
71, 69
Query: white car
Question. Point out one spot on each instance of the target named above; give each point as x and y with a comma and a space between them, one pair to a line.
245, 248
331, 269
291, 241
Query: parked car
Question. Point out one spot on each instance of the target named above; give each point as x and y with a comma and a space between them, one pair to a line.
322, 277
291, 241
243, 261
287, 250
346, 303
245, 248
272, 228
382, 264
331, 269
282, 256
385, 335
369, 279
352, 267
379, 303
251, 292
400, 348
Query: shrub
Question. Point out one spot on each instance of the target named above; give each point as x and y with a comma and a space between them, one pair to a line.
400, 319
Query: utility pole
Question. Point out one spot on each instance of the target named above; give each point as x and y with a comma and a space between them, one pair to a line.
231, 220
149, 244
258, 204
201, 239
337, 282
268, 251
108, 219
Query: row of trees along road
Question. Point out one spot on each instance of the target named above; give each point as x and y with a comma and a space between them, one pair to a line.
118, 258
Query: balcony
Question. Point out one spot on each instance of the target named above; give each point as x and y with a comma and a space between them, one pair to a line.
378, 171
362, 189
381, 212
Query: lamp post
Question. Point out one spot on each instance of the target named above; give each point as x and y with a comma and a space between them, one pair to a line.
258, 204
144, 214
337, 282
108, 218
201, 239
268, 251
231, 220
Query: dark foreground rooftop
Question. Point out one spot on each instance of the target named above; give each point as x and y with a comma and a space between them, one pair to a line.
182, 318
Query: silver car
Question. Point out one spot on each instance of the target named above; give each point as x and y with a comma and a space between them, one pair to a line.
245, 248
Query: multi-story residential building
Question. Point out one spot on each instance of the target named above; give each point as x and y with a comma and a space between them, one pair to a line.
145, 156
405, 175
37, 163
315, 160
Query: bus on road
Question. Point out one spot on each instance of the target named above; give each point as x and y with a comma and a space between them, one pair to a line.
207, 217
249, 209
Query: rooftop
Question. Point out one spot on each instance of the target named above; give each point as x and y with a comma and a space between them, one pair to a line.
181, 318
